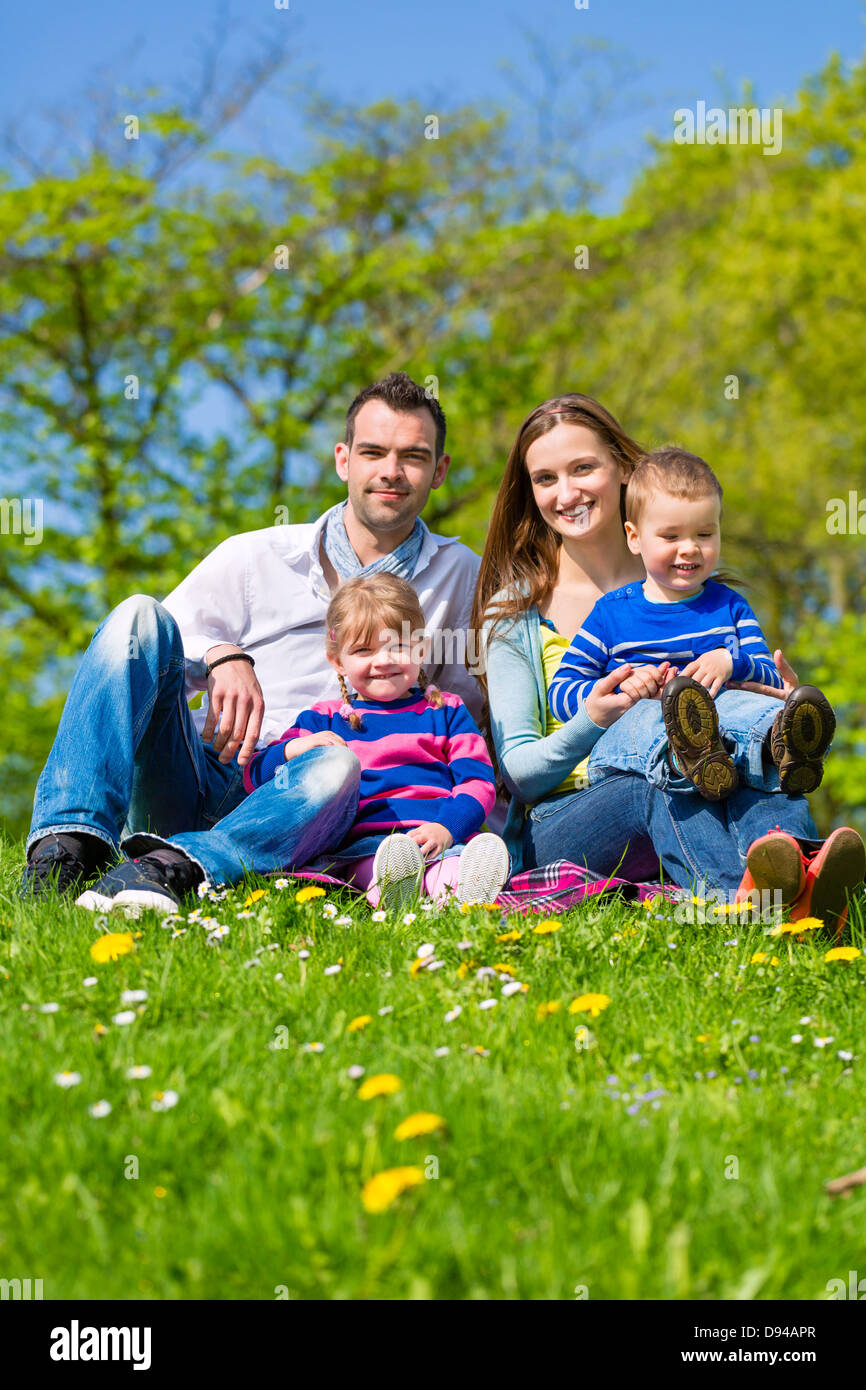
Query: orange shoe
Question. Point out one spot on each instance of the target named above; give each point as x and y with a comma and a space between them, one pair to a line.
832, 873
774, 861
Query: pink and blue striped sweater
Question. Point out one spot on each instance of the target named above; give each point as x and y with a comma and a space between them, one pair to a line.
418, 763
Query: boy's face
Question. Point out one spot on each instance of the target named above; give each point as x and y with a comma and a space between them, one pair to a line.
679, 542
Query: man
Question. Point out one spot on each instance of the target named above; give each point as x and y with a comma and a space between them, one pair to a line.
130, 756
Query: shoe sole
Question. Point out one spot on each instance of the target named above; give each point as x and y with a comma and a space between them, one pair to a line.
131, 901
398, 869
483, 870
806, 732
842, 868
692, 726
775, 862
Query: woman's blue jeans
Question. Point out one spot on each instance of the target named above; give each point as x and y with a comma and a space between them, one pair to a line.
623, 825
128, 759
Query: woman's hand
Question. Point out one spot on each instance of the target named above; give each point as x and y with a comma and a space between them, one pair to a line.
431, 838
325, 739
647, 682
603, 704
786, 671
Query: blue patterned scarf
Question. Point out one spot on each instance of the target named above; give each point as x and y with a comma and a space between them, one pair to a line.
339, 550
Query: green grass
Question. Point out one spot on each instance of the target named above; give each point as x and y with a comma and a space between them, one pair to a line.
545, 1181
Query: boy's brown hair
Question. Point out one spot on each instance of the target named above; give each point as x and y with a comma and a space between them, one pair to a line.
673, 471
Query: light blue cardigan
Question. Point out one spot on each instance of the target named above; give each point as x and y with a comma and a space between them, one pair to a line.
532, 762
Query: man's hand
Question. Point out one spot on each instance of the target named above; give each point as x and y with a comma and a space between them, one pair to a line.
324, 739
786, 671
647, 682
233, 693
711, 670
431, 838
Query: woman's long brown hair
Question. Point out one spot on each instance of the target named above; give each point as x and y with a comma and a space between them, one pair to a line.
522, 551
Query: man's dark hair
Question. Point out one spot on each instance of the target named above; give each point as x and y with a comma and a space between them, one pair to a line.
401, 393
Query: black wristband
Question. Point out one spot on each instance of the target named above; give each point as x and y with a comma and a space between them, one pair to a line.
232, 656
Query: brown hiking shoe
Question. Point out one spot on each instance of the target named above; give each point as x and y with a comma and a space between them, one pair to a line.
692, 724
801, 734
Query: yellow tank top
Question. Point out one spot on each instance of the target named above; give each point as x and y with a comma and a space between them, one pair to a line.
553, 649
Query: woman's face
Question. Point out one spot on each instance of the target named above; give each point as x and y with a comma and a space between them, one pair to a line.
575, 481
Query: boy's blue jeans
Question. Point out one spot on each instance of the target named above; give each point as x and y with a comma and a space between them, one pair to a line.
637, 742
128, 759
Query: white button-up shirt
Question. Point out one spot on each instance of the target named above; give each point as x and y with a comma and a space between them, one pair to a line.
265, 591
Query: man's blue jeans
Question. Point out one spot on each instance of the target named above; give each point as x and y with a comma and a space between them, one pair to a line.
623, 825
637, 742
128, 759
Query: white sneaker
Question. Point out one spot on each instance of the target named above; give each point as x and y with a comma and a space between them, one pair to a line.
397, 872
483, 870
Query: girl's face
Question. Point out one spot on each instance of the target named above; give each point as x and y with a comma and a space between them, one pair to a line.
575, 481
382, 666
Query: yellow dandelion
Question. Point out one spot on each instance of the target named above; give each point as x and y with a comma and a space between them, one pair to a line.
112, 945
545, 928
553, 1007
465, 966
758, 958
589, 1003
385, 1084
843, 953
417, 965
504, 966
704, 1037
383, 1189
415, 1125
310, 892
795, 928
254, 897
100, 1029
510, 936
159, 1192
358, 1023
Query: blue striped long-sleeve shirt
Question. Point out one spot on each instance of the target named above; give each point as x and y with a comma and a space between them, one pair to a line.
625, 627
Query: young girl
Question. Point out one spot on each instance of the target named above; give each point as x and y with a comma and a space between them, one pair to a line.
427, 782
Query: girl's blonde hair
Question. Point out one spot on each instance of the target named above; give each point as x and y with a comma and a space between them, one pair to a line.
363, 610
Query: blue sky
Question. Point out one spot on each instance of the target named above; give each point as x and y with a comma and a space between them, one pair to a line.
447, 50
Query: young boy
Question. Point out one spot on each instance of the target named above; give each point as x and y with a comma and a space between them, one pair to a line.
682, 620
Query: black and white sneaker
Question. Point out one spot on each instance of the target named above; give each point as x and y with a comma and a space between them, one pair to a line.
58, 863
157, 882
483, 870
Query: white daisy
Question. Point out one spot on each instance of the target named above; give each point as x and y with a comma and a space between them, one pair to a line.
488, 1003
409, 918
243, 914
435, 964
248, 963
377, 916
845, 1056
385, 1009
441, 1051
303, 955
279, 976
332, 969
355, 1072
125, 1016
822, 1042
281, 883
454, 1013
67, 1079
314, 1047
51, 1008
464, 945
99, 1109
133, 996
796, 1037
328, 910
180, 932
139, 1073
90, 981
343, 921
511, 988
425, 951
164, 1100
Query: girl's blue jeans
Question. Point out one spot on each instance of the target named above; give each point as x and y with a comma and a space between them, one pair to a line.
637, 742
129, 766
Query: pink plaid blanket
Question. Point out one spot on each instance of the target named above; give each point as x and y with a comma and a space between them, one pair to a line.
555, 888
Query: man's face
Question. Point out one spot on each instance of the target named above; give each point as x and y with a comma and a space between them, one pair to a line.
391, 467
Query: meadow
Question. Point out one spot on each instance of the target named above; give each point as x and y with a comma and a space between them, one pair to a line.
610, 1104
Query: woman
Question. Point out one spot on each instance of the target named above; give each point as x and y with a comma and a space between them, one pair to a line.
556, 543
